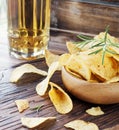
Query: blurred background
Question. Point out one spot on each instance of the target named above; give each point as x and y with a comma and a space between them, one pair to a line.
87, 16
3, 20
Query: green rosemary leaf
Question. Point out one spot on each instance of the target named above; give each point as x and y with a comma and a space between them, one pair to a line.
95, 52
37, 108
83, 44
113, 44
83, 37
98, 44
112, 52
102, 44
105, 44
106, 32
80, 43
103, 54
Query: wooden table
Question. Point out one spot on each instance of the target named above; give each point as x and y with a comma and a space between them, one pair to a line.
25, 89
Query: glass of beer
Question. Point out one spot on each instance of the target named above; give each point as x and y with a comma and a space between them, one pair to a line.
28, 28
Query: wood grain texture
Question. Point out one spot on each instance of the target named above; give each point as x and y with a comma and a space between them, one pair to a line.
10, 117
113, 128
85, 17
25, 89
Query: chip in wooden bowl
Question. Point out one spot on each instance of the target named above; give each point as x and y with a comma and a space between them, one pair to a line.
99, 93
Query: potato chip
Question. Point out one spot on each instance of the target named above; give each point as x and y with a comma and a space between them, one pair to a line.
95, 111
26, 68
114, 79
103, 71
85, 63
115, 49
116, 57
73, 73
110, 38
84, 70
101, 36
72, 48
78, 66
60, 99
50, 57
22, 104
32, 122
81, 125
42, 87
64, 59
112, 48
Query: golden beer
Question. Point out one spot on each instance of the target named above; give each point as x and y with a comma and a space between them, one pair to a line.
28, 28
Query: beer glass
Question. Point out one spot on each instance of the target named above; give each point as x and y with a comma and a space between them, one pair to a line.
28, 28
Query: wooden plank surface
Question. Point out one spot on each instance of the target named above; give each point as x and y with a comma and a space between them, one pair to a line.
25, 89
90, 16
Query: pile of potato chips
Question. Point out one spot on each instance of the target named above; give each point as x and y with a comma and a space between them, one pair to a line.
90, 67
82, 64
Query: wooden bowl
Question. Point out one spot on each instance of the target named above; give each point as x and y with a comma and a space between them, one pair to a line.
98, 93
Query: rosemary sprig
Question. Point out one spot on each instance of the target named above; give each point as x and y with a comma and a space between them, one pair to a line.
101, 44
82, 37
95, 52
84, 42
37, 108
105, 45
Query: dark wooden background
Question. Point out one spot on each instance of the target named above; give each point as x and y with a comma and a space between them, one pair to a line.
88, 16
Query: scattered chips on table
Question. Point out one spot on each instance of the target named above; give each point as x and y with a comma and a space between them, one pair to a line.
22, 104
42, 87
60, 99
32, 122
95, 111
81, 125
26, 68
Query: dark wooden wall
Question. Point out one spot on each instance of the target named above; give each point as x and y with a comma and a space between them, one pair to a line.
88, 16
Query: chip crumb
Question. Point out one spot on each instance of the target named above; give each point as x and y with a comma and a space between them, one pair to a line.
95, 111
22, 104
